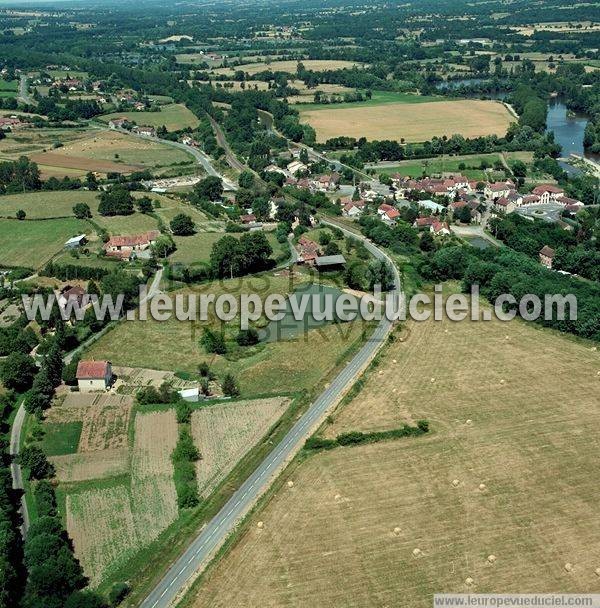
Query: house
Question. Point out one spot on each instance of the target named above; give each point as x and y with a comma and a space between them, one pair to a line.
76, 241
498, 189
9, 123
190, 394
548, 193
249, 218
296, 166
424, 222
124, 246
531, 199
145, 131
118, 123
274, 169
330, 262
388, 214
353, 209
71, 293
571, 204
431, 206
440, 228
547, 256
94, 376
505, 204
188, 141
309, 250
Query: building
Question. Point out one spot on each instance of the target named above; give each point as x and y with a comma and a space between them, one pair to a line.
190, 394
145, 131
439, 228
296, 167
498, 189
547, 255
330, 262
309, 251
94, 376
548, 193
353, 209
249, 218
118, 123
9, 123
388, 214
76, 241
124, 246
70, 293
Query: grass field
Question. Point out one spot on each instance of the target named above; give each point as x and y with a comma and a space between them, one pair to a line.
378, 98
58, 160
173, 116
32, 243
523, 424
409, 122
317, 65
8, 89
47, 204
31, 141
272, 368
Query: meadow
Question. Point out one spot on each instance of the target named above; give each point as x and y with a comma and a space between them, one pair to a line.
173, 116
499, 497
317, 65
409, 122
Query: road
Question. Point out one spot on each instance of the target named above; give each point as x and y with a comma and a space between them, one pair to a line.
15, 467
24, 92
183, 572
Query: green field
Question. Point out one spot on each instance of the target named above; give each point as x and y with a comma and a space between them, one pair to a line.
61, 438
378, 98
416, 168
47, 204
33, 243
173, 116
8, 89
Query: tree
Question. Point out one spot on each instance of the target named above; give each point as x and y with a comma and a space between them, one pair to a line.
247, 337
163, 246
427, 243
144, 204
183, 412
213, 342
379, 273
226, 257
255, 251
210, 188
82, 211
229, 386
18, 371
182, 225
33, 458
464, 214
116, 201
246, 179
118, 593
21, 215
85, 599
355, 275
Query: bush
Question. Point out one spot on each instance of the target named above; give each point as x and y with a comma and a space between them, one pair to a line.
118, 593
213, 342
229, 386
247, 337
183, 411
34, 459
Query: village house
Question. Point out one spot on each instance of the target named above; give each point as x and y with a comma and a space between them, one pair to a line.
424, 222
439, 228
330, 262
125, 246
70, 293
145, 131
571, 204
548, 193
249, 218
547, 255
296, 166
327, 183
10, 123
388, 214
308, 250
118, 123
504, 204
353, 208
498, 189
94, 376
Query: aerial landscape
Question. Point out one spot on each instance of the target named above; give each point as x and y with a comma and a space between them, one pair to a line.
299, 303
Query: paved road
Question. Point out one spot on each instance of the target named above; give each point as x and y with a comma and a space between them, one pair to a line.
15, 467
182, 573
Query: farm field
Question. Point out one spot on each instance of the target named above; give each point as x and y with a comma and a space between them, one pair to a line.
410, 122
524, 426
236, 85
173, 116
47, 204
415, 168
55, 161
32, 243
317, 65
30, 141
270, 368
8, 89
378, 98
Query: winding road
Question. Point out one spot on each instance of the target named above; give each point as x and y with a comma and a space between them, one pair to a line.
188, 566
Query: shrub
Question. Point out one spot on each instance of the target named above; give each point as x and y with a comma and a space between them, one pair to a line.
183, 411
247, 337
229, 386
118, 593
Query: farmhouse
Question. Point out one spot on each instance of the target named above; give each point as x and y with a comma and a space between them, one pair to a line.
353, 209
94, 376
388, 214
124, 246
440, 228
498, 189
424, 222
9, 123
118, 123
70, 293
250, 218
327, 183
547, 256
145, 131
296, 166
330, 262
309, 250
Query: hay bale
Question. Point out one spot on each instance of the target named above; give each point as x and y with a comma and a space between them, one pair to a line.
394, 361
397, 530
469, 422
290, 484
455, 483
597, 571
507, 337
569, 567
469, 581
491, 559
260, 525
432, 380
482, 486
337, 497
502, 381
416, 552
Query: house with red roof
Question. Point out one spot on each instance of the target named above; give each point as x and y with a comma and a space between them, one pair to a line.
124, 246
94, 376
353, 208
547, 255
388, 214
548, 193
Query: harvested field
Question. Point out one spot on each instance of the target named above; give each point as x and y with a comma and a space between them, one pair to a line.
523, 453
411, 122
153, 497
317, 65
52, 159
102, 527
225, 433
88, 466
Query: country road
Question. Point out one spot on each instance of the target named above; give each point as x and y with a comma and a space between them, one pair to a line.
185, 569
24, 92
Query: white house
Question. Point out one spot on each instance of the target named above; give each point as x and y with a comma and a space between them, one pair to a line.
94, 376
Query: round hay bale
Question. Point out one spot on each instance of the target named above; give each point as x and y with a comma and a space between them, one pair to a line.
491, 559
598, 373
569, 567
400, 339
482, 486
290, 484
381, 372
469, 422
455, 483
394, 361
507, 337
393, 390
337, 497
397, 530
597, 571
502, 381
416, 552
594, 349
260, 524
432, 380
469, 581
